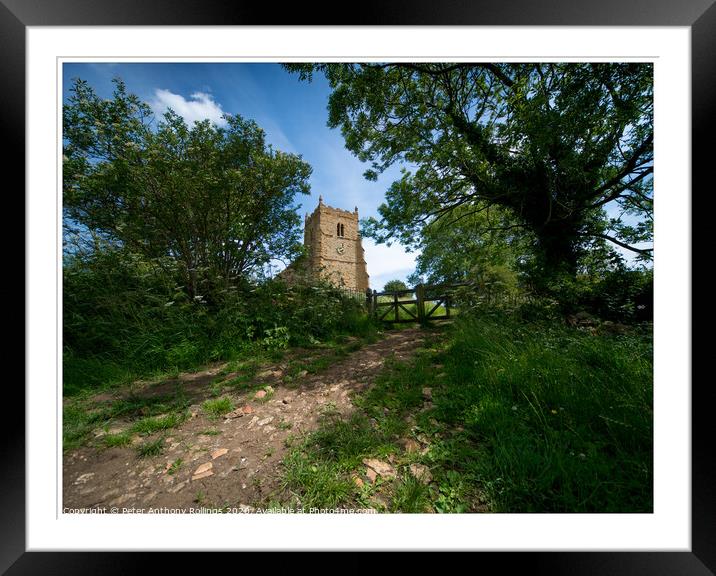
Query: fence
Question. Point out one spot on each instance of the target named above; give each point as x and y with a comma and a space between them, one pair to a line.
359, 295
420, 304
430, 301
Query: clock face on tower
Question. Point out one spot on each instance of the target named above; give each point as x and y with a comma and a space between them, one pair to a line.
341, 248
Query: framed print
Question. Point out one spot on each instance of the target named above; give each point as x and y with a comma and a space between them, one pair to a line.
210, 417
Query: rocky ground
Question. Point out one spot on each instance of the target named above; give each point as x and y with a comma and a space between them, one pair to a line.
233, 461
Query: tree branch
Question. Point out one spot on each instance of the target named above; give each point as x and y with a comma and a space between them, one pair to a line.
617, 192
628, 167
646, 251
506, 80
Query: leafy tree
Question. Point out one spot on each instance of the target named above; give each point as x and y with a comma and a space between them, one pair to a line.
551, 143
218, 201
460, 250
395, 286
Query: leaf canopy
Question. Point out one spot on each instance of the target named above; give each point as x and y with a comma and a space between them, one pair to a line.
552, 143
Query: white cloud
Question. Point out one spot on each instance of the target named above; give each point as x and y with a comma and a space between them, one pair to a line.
200, 106
387, 263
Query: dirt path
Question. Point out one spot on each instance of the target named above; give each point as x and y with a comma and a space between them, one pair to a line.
239, 462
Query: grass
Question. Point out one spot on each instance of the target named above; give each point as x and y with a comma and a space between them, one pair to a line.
150, 448
81, 415
81, 375
321, 485
244, 374
410, 496
117, 440
135, 406
147, 426
525, 417
174, 468
78, 423
217, 407
319, 469
564, 418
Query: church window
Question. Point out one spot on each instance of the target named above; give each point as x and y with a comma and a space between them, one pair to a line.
340, 230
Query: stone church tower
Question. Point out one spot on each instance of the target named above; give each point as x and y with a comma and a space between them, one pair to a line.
334, 247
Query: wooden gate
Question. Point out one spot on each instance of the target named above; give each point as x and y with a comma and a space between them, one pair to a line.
419, 304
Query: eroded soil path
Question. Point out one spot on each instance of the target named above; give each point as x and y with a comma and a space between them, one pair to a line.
231, 461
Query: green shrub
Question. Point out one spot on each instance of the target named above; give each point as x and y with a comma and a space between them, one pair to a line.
126, 317
276, 338
619, 294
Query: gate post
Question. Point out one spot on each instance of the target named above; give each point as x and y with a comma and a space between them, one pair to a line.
420, 297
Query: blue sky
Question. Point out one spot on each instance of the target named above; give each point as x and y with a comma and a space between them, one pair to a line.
293, 114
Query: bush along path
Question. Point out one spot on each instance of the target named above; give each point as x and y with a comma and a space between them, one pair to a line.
217, 439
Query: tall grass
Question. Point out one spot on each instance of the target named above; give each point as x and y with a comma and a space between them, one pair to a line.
563, 418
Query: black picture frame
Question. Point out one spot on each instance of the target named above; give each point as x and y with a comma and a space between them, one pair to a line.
700, 15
